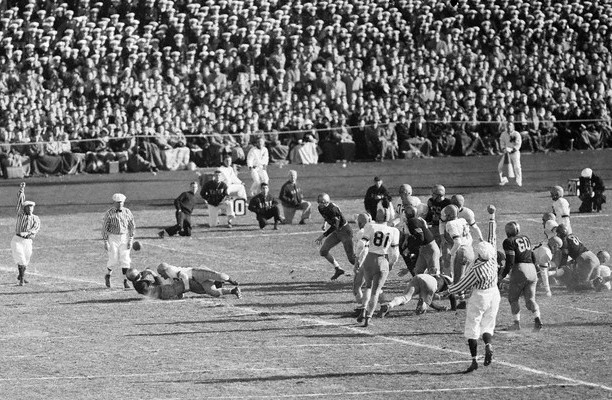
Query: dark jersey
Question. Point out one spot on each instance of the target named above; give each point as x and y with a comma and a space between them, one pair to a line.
435, 210
573, 246
185, 202
419, 231
261, 203
333, 216
290, 194
518, 250
214, 192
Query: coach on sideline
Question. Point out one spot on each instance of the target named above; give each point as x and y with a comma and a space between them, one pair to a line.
118, 235
26, 228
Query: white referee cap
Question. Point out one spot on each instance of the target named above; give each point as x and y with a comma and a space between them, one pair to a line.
119, 197
29, 203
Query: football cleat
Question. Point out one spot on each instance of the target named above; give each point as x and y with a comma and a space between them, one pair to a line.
537, 325
420, 309
126, 285
161, 234
107, 280
362, 315
462, 305
237, 292
366, 322
357, 312
473, 367
503, 181
488, 355
339, 272
384, 310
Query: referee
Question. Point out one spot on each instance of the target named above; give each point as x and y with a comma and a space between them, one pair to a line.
118, 235
26, 229
483, 304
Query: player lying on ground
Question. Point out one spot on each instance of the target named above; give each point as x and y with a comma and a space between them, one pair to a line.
425, 286
584, 267
199, 280
602, 282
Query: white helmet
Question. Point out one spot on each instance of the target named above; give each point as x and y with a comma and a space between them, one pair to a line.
586, 173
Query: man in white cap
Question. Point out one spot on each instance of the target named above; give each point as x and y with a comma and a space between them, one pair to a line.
118, 235
26, 229
592, 191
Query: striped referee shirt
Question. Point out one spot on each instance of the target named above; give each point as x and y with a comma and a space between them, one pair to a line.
483, 275
27, 225
118, 222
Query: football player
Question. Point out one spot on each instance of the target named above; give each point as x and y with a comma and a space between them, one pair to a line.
338, 231
523, 280
419, 241
425, 286
382, 244
467, 214
457, 234
358, 280
200, 280
603, 282
543, 255
560, 207
579, 274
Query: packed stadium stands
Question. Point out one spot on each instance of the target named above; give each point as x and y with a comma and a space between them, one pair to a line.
155, 84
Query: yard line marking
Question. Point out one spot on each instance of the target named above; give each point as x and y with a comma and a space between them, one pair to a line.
260, 234
445, 350
255, 368
582, 309
395, 391
61, 278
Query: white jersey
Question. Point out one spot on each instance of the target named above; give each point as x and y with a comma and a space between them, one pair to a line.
173, 272
468, 215
228, 175
543, 255
561, 209
459, 230
380, 238
257, 158
549, 229
359, 248
604, 272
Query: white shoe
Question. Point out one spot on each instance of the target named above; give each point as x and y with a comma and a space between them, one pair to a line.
504, 181
519, 183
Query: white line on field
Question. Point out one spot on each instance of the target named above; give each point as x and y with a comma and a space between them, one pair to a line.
61, 278
255, 368
260, 234
397, 391
445, 350
582, 309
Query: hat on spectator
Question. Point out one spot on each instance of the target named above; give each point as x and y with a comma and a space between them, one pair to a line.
29, 203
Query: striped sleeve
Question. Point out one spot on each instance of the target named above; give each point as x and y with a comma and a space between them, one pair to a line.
105, 223
466, 282
131, 224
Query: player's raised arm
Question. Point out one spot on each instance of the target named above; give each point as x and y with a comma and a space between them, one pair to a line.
492, 236
21, 197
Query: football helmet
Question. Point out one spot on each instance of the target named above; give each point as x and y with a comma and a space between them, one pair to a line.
586, 173
382, 215
548, 216
603, 257
405, 190
562, 231
323, 199
449, 213
556, 192
411, 201
458, 200
438, 190
132, 274
512, 228
550, 225
363, 219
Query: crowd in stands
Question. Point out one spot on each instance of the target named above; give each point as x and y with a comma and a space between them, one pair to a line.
155, 84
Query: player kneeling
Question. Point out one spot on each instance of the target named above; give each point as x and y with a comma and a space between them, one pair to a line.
200, 280
425, 286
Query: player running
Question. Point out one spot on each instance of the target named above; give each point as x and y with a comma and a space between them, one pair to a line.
339, 231
382, 241
523, 280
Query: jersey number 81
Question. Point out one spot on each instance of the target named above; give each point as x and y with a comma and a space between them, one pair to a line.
380, 239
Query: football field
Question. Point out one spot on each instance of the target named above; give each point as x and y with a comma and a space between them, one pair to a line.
66, 336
